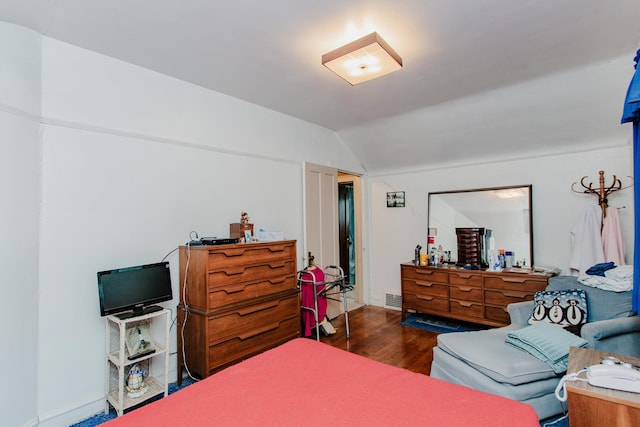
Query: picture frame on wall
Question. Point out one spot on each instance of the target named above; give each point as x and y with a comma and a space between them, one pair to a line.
395, 199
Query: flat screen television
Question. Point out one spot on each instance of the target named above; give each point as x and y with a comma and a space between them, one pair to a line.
131, 291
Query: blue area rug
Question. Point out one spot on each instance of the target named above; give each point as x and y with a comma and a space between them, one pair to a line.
103, 418
439, 324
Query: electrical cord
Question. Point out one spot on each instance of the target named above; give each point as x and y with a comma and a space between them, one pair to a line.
167, 255
561, 389
185, 300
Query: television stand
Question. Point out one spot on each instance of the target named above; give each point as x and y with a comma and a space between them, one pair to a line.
119, 362
139, 312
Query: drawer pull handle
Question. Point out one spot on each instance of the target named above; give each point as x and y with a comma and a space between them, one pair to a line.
465, 289
259, 331
279, 265
425, 284
234, 290
425, 272
512, 295
423, 297
514, 279
241, 287
233, 271
233, 252
256, 308
465, 304
241, 269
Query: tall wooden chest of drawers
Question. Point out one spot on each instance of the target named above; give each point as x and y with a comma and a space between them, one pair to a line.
239, 300
472, 246
471, 295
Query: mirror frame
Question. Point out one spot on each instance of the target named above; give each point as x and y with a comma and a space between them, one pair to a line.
474, 190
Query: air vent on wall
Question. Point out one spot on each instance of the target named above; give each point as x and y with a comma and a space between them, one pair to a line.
393, 301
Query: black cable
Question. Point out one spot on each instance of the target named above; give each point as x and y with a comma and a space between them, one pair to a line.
165, 257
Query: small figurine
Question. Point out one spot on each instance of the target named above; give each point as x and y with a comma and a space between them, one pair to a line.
244, 218
135, 382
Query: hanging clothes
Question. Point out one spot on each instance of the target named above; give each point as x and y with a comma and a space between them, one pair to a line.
612, 240
587, 248
311, 275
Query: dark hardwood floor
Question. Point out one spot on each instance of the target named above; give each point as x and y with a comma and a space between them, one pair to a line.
376, 333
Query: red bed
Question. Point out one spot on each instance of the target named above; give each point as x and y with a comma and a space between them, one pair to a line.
307, 383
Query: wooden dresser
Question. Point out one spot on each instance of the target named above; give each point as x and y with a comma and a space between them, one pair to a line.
471, 295
240, 300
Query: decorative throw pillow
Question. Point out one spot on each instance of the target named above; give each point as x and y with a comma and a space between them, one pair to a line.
565, 307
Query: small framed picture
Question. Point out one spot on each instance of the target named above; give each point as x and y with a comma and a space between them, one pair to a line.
395, 199
247, 236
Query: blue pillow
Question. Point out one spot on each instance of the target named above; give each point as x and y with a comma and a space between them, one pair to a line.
563, 307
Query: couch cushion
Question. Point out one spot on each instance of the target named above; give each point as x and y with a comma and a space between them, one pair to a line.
603, 304
487, 352
539, 394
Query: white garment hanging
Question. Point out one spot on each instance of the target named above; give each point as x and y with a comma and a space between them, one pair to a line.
587, 248
612, 240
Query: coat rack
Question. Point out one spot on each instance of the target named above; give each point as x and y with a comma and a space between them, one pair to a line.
601, 193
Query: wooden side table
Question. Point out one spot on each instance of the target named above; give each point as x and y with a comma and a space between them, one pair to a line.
591, 406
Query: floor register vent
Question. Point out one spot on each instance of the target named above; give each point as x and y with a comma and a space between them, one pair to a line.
393, 301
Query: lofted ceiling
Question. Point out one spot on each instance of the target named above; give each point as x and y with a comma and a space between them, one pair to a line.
482, 79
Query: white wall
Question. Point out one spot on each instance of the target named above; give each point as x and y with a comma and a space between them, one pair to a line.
131, 162
19, 198
395, 232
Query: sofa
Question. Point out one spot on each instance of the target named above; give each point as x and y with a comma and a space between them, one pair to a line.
483, 361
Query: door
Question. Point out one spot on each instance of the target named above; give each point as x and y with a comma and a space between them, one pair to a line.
321, 220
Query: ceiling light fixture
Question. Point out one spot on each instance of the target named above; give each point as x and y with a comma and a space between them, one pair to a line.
509, 193
363, 59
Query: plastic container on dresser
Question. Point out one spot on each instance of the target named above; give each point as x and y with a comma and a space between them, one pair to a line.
239, 300
155, 364
476, 296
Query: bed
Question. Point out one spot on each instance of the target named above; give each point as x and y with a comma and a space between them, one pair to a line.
307, 383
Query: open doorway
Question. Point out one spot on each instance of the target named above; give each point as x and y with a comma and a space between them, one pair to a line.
349, 234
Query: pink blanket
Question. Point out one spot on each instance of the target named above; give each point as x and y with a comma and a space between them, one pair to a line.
307, 383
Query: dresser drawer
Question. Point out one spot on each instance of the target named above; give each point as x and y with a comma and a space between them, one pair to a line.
465, 278
425, 274
265, 336
243, 254
424, 303
463, 292
239, 292
514, 282
244, 322
498, 314
425, 288
507, 296
251, 272
466, 308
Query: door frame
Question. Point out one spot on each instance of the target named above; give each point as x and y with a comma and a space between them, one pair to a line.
358, 196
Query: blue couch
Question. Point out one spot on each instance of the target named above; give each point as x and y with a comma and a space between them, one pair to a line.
481, 359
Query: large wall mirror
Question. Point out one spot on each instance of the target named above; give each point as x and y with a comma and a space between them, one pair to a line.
503, 213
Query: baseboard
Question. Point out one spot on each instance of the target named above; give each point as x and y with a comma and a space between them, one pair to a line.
77, 413
33, 422
67, 417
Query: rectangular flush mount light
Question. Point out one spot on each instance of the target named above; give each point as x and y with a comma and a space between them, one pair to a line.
363, 59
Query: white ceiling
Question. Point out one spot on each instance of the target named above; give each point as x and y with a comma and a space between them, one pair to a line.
481, 78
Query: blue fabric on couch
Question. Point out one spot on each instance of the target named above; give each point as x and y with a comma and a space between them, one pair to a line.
482, 360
